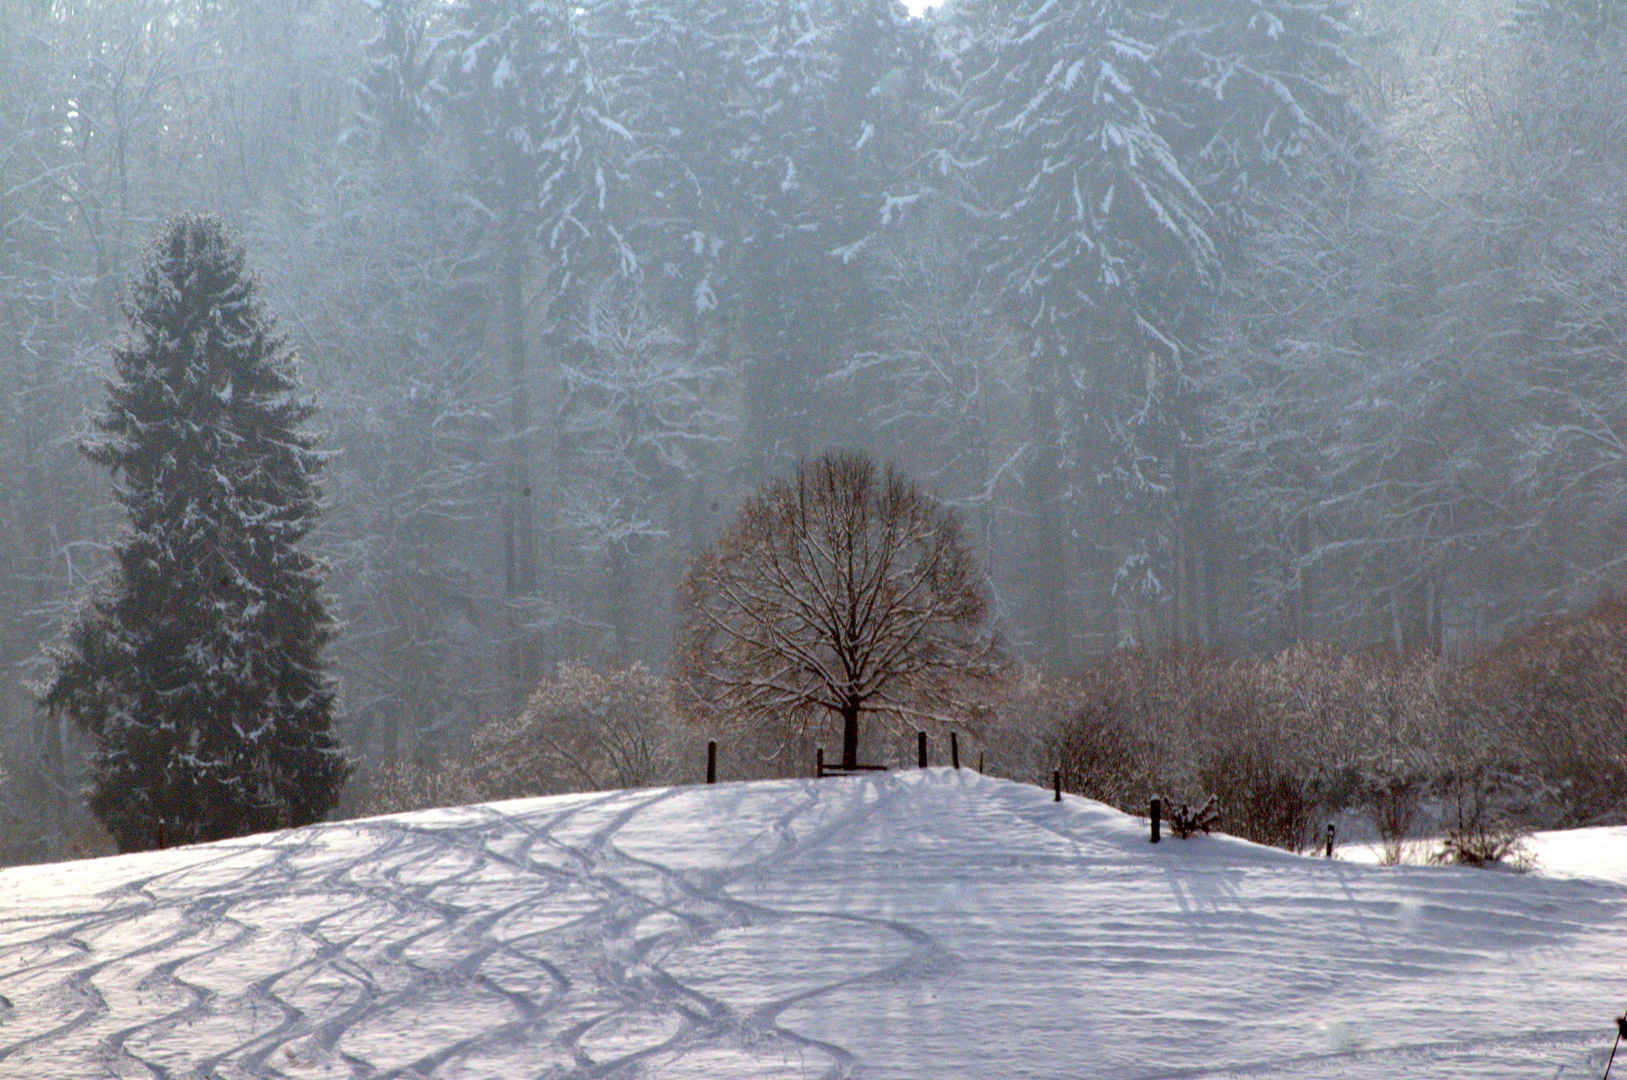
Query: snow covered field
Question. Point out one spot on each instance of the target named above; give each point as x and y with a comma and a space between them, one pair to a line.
934, 924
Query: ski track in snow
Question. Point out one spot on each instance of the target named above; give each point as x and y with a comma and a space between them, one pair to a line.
377, 935
914, 924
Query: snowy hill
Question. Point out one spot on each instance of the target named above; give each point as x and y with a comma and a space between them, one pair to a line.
933, 924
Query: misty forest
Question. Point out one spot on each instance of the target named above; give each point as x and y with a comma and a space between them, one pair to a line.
1265, 361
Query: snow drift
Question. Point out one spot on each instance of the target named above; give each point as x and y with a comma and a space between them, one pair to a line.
927, 924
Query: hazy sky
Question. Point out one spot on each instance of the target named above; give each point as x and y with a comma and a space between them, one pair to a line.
918, 6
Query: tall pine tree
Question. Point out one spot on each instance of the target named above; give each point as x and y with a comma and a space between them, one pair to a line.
196, 667
1117, 148
542, 152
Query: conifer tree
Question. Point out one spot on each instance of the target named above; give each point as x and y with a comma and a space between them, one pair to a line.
1118, 149
195, 667
542, 148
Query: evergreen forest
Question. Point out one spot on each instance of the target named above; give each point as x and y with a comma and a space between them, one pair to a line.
1226, 327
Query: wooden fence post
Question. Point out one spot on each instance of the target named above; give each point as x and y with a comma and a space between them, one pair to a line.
980, 762
711, 762
1056, 782
920, 748
819, 762
1157, 816
1330, 840
954, 750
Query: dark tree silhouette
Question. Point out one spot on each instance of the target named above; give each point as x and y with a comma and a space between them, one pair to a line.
838, 591
195, 667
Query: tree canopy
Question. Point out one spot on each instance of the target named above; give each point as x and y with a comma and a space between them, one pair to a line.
196, 667
843, 590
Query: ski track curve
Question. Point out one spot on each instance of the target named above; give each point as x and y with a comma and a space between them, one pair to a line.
577, 938
402, 924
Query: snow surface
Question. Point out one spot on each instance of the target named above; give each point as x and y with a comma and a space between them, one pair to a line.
935, 924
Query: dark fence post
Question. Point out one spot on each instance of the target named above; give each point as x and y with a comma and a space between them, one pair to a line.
920, 748
819, 763
1056, 782
954, 750
1330, 840
1157, 816
980, 761
711, 762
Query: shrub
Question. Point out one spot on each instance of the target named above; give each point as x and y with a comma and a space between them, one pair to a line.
1265, 800
1276, 738
1485, 845
586, 731
1282, 740
1102, 757
1476, 835
1528, 734
1552, 701
1393, 803
1122, 728
397, 785
1184, 821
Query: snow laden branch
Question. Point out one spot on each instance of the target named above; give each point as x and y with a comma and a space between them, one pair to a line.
195, 668
842, 591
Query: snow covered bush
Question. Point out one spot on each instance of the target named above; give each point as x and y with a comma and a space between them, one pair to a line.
583, 730
1485, 845
1268, 736
1103, 757
1347, 729
1531, 733
196, 665
1121, 727
587, 730
1476, 833
1266, 799
1284, 740
1184, 821
397, 785
1394, 802
1551, 704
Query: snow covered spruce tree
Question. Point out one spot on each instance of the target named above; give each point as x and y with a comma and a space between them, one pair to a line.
195, 667
1120, 151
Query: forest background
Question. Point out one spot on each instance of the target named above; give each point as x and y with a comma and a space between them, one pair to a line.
1227, 327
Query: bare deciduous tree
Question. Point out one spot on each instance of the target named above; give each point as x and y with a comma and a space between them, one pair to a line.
841, 590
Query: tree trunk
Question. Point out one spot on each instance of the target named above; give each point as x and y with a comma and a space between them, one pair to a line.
56, 780
1047, 579
519, 541
621, 603
850, 735
1304, 600
1436, 631
1211, 585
